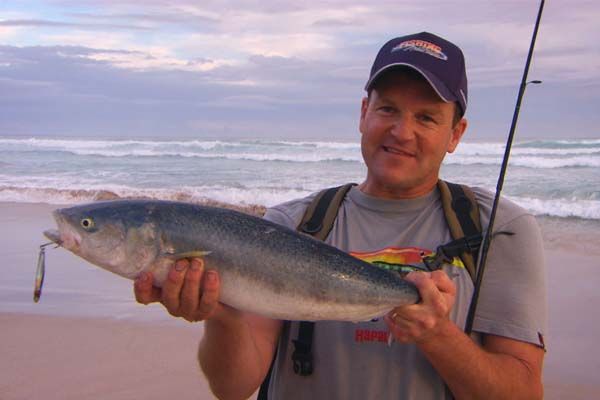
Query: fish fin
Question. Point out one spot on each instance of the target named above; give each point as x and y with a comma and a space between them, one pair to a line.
189, 254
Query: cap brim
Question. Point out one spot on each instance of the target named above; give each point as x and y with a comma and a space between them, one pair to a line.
440, 88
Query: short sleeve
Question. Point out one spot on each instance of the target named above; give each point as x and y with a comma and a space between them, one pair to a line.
289, 214
512, 301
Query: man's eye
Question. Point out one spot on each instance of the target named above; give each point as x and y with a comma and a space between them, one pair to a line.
426, 118
387, 109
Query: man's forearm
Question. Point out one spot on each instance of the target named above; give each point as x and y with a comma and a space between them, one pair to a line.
231, 358
472, 372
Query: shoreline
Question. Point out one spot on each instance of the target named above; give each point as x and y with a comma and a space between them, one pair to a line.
88, 338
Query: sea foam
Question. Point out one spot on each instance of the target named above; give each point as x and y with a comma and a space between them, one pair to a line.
549, 177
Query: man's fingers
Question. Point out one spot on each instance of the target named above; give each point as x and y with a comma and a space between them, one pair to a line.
190, 293
425, 285
171, 290
432, 284
210, 294
443, 282
436, 289
396, 330
145, 292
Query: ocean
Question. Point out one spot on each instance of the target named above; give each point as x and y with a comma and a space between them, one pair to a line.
558, 180
555, 178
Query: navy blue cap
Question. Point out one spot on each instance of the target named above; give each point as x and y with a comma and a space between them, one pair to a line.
440, 62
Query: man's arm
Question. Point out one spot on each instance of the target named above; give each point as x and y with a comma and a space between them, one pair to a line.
503, 368
237, 348
236, 355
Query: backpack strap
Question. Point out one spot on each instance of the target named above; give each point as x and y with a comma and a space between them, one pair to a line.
462, 215
318, 220
302, 356
320, 215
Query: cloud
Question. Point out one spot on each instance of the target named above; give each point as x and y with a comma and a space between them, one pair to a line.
495, 38
158, 59
260, 63
108, 49
68, 81
7, 33
154, 18
60, 24
337, 23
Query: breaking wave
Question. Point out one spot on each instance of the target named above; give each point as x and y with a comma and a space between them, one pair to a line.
527, 161
549, 177
221, 194
261, 196
585, 209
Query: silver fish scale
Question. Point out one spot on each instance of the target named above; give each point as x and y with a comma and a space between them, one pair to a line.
282, 258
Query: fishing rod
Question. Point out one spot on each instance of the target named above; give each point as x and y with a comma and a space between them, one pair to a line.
488, 235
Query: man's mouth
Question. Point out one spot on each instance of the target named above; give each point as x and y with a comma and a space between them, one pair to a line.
395, 150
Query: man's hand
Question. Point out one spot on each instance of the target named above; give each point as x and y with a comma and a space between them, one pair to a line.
418, 322
190, 291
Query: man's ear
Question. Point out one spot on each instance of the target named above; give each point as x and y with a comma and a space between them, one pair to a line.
457, 132
363, 112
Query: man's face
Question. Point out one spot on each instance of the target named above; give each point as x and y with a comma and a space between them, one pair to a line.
406, 132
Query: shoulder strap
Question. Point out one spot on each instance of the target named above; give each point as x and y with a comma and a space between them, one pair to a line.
302, 355
317, 221
462, 215
320, 215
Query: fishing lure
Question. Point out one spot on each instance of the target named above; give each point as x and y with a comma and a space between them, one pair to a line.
40, 272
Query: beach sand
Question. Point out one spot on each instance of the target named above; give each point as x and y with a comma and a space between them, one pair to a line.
61, 350
54, 357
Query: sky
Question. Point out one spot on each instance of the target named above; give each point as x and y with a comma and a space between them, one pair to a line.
275, 69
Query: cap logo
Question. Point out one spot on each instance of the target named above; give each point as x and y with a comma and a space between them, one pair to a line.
421, 46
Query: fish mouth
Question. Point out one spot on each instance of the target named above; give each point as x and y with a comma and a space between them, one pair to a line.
65, 236
54, 236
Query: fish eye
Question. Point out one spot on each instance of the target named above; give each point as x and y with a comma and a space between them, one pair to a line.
87, 223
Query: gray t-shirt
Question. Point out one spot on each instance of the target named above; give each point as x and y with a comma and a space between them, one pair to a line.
353, 360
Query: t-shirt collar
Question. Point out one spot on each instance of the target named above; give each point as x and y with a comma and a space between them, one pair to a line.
392, 205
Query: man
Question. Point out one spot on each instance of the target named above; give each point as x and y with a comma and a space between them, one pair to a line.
412, 117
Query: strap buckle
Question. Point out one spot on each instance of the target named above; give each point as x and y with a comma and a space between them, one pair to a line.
445, 253
302, 359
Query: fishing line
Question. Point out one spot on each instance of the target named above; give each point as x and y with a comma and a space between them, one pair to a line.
488, 235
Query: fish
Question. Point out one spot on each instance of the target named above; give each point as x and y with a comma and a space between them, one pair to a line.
264, 268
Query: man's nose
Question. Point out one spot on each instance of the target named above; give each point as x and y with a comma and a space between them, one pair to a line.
403, 128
